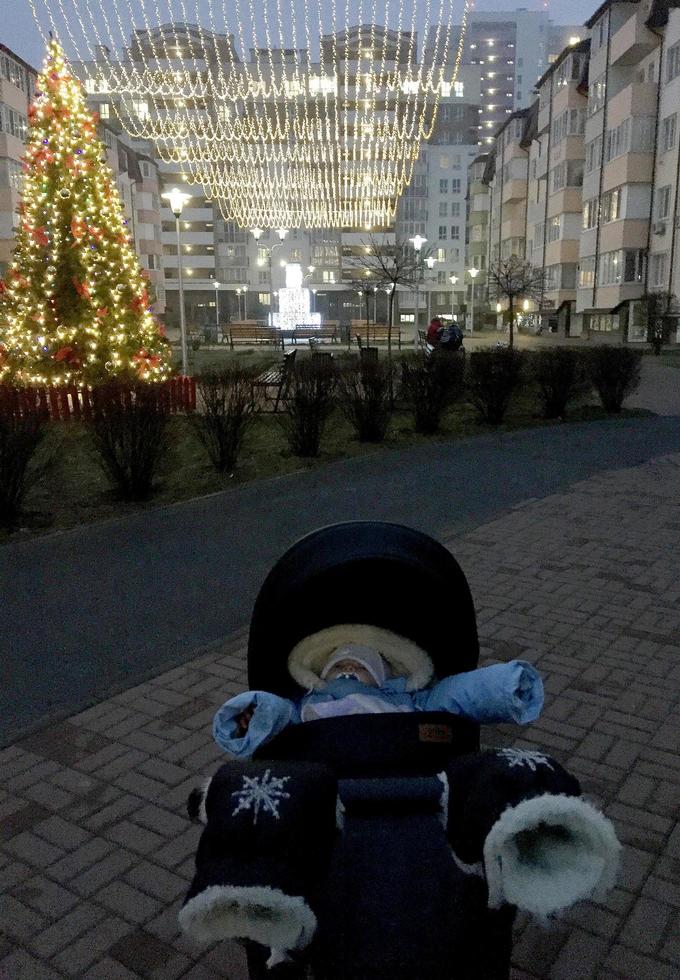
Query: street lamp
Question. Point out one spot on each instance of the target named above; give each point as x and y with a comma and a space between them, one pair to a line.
314, 292
177, 199
238, 300
453, 280
245, 302
216, 284
375, 305
473, 275
417, 241
429, 262
257, 234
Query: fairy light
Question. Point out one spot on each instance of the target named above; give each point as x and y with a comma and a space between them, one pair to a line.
74, 307
324, 143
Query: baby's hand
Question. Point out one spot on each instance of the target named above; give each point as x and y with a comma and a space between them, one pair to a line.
243, 720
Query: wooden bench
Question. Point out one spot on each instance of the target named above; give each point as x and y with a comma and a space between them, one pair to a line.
328, 331
246, 332
376, 332
277, 378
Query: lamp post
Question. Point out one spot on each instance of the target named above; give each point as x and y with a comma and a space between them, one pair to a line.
238, 300
375, 305
473, 275
216, 284
453, 280
177, 199
245, 302
257, 234
429, 262
417, 241
314, 291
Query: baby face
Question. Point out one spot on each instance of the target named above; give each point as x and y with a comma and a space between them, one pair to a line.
350, 668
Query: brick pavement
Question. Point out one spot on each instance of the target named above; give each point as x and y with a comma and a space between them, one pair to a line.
96, 852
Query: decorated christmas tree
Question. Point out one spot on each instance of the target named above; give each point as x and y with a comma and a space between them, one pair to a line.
74, 307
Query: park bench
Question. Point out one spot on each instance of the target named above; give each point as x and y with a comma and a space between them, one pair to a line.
329, 331
277, 378
250, 332
376, 332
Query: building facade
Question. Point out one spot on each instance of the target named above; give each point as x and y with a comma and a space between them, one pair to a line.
601, 191
17, 84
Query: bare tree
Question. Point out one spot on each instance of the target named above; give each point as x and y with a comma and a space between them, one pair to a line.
661, 312
388, 266
515, 280
364, 287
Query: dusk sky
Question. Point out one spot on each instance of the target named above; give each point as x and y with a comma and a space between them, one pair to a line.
20, 33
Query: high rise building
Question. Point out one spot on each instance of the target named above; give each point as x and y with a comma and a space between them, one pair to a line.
510, 51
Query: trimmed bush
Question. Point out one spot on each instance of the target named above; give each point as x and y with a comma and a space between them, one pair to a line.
364, 397
614, 373
429, 383
129, 431
561, 376
309, 403
20, 436
494, 374
225, 412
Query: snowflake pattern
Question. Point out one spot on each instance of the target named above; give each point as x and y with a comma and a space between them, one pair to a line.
524, 757
264, 793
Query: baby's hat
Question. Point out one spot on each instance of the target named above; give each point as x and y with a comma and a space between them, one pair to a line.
368, 658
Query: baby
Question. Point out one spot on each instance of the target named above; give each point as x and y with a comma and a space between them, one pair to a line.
357, 680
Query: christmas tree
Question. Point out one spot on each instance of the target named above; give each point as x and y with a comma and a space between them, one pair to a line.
74, 307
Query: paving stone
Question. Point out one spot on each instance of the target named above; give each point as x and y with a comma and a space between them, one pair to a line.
34, 850
20, 966
134, 837
81, 859
46, 896
579, 958
645, 926
110, 867
84, 951
108, 969
62, 833
156, 881
66, 929
142, 952
18, 920
128, 902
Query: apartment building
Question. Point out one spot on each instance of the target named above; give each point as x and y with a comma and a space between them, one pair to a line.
630, 188
509, 50
508, 181
17, 83
555, 204
477, 226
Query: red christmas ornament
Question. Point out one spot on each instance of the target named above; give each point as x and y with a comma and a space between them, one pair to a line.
103, 311
82, 288
3, 287
95, 233
145, 362
68, 354
140, 303
78, 229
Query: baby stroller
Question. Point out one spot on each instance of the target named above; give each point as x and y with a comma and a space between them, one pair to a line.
373, 834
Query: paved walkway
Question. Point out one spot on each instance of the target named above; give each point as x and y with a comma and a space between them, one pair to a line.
95, 851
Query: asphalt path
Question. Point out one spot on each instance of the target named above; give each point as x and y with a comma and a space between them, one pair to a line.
87, 612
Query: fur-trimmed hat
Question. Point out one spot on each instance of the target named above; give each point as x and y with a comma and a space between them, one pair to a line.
309, 657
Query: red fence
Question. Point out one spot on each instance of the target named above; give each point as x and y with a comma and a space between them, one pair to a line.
63, 404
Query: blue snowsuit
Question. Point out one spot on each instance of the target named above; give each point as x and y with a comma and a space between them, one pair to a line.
511, 692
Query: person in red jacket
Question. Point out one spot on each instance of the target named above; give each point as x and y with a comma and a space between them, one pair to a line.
433, 331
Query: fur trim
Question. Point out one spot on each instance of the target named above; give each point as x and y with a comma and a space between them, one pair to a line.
476, 869
196, 802
308, 658
548, 852
266, 915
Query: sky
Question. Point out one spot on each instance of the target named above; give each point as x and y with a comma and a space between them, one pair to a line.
20, 33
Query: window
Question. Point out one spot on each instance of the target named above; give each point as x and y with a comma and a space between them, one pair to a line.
668, 133
11, 174
13, 72
328, 275
617, 141
13, 122
554, 228
673, 62
662, 202
264, 299
296, 255
263, 277
658, 268
569, 173
141, 109
593, 154
455, 185
596, 95
599, 35
443, 185
611, 206
443, 209
586, 275
440, 255
442, 233
455, 233
604, 322
153, 262
590, 213
621, 266
104, 110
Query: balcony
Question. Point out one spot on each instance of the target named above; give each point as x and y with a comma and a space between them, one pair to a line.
633, 100
632, 42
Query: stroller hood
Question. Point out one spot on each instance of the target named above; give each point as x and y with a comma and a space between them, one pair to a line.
371, 573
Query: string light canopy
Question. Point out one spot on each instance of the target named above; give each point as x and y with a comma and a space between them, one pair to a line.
291, 113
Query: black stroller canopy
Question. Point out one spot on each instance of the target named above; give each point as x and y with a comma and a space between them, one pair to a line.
368, 572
